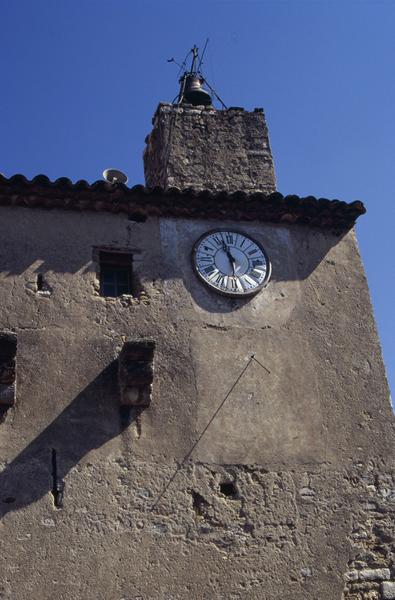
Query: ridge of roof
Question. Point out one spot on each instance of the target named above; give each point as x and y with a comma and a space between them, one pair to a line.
140, 202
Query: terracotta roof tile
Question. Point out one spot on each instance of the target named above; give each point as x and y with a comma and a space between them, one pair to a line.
139, 202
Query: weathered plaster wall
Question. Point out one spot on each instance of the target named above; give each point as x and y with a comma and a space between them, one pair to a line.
205, 148
307, 447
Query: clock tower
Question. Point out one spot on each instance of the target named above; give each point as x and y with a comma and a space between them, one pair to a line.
193, 399
309, 424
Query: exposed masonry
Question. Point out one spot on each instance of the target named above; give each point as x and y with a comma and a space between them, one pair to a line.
371, 573
278, 534
205, 148
135, 372
8, 346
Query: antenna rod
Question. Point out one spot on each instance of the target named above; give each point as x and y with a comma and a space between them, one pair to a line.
201, 58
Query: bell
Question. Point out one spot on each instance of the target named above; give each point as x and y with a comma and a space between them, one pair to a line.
192, 91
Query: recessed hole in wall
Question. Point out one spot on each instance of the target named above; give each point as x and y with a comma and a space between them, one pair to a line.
9, 500
199, 504
42, 287
138, 217
228, 489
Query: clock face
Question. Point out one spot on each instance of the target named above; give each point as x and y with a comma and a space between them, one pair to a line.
231, 263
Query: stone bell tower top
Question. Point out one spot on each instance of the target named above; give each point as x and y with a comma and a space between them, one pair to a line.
205, 148
193, 145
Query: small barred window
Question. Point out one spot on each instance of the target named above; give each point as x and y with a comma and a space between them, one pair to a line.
116, 275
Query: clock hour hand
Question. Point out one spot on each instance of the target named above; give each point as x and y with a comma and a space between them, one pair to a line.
230, 256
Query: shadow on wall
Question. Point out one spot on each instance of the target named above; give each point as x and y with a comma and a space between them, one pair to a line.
89, 421
16, 259
285, 267
288, 263
58, 255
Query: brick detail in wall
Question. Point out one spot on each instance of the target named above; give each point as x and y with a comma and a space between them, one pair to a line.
371, 572
135, 372
204, 148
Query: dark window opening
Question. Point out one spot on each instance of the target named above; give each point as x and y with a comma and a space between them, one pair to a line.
39, 282
116, 275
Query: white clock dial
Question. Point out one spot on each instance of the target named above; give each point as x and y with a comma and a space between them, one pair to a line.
231, 263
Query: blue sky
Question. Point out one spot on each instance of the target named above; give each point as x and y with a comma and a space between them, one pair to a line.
82, 78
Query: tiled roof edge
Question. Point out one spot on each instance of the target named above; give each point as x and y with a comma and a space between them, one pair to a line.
140, 202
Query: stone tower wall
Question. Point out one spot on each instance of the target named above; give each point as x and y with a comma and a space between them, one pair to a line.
289, 494
204, 148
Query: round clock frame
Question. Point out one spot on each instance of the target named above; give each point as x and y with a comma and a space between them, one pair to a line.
238, 290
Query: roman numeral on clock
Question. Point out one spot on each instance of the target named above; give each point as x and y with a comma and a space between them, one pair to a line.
255, 275
257, 262
218, 240
209, 270
232, 284
205, 258
229, 238
218, 279
250, 280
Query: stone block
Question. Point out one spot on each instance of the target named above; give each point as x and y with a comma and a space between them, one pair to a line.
351, 576
388, 590
374, 574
